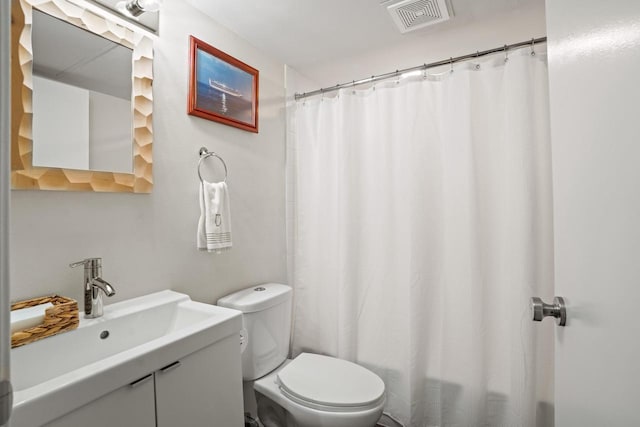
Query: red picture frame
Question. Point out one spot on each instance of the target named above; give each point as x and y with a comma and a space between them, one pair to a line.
222, 88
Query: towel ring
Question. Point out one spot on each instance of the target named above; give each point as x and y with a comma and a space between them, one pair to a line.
204, 153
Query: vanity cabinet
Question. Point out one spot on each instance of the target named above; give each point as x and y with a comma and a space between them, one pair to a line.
201, 389
204, 390
126, 406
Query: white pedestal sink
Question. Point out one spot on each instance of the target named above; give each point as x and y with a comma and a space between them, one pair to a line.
134, 339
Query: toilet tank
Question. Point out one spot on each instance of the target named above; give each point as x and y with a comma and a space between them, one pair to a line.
266, 316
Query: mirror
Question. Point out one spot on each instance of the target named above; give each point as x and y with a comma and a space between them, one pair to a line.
81, 117
81, 98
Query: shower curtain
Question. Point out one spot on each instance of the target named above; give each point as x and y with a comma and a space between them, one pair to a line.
421, 224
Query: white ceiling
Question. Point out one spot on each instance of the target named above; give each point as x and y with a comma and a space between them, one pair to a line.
305, 32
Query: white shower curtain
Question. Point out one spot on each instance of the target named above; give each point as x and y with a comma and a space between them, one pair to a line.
421, 225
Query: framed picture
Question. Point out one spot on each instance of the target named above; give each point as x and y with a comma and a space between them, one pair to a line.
222, 88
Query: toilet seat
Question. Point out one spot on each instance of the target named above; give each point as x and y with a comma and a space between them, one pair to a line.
326, 383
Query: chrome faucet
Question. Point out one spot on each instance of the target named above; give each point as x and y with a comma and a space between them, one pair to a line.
94, 286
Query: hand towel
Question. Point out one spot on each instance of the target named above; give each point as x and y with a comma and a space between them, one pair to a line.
214, 225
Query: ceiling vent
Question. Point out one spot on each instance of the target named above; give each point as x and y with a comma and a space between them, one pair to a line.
410, 15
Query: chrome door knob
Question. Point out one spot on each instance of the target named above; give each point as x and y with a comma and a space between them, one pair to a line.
540, 310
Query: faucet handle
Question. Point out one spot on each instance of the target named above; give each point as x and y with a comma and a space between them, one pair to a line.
88, 263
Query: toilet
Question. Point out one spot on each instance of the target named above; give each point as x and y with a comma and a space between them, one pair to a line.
310, 390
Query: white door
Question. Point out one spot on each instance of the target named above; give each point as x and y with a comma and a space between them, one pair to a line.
594, 71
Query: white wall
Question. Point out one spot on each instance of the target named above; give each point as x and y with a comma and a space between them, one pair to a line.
148, 241
110, 133
60, 124
434, 45
76, 128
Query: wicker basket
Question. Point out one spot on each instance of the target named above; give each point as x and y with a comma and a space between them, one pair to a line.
62, 317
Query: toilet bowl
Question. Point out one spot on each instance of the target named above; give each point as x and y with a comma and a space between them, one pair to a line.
310, 390
317, 390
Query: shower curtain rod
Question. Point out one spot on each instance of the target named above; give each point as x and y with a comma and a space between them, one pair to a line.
451, 61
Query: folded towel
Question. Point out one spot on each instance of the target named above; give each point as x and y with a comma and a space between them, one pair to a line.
28, 317
214, 226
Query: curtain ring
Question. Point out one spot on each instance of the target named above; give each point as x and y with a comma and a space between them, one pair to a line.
397, 77
451, 64
533, 52
424, 75
506, 53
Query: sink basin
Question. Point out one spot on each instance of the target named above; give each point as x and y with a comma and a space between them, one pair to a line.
56, 375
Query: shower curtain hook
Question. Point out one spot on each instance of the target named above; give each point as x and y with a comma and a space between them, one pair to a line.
321, 94
397, 77
424, 74
506, 53
353, 85
451, 64
477, 56
373, 81
533, 52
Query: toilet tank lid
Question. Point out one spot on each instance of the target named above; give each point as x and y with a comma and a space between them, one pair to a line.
257, 297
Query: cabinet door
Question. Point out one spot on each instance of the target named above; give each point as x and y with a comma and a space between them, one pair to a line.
204, 389
131, 405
